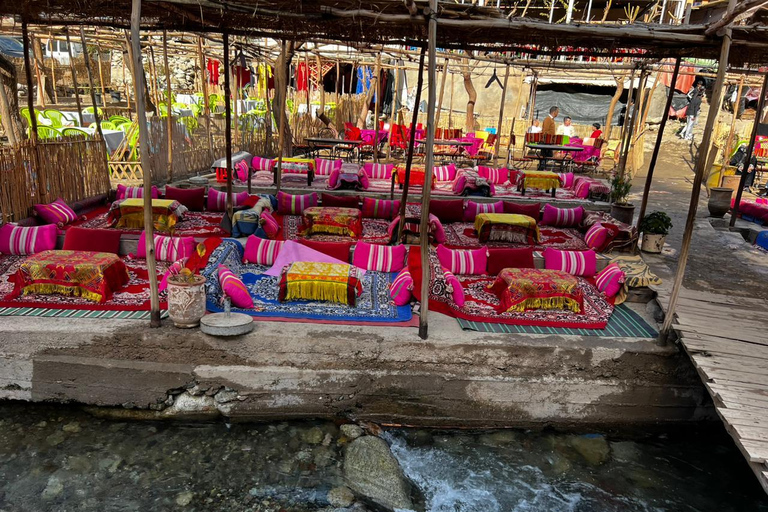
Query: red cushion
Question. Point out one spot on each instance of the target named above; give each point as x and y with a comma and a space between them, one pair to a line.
529, 209
447, 210
501, 258
338, 250
340, 201
97, 240
192, 198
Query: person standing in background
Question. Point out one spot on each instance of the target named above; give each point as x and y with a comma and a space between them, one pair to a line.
695, 95
548, 128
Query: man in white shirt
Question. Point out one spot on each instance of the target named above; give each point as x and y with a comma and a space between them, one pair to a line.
566, 128
535, 127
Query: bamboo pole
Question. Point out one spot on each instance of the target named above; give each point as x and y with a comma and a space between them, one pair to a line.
393, 121
750, 150
5, 116
234, 103
125, 84
206, 107
657, 146
283, 119
729, 140
450, 104
101, 77
149, 239
153, 77
169, 112
338, 76
376, 108
699, 169
228, 123
309, 84
74, 77
630, 130
501, 115
28, 73
429, 161
442, 92
320, 86
96, 116
38, 76
53, 73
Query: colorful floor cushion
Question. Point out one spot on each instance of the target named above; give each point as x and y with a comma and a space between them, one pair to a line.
124, 192
192, 198
626, 236
543, 180
129, 213
327, 200
288, 204
331, 282
333, 221
91, 275
349, 176
507, 227
757, 210
22, 240
247, 222
500, 258
637, 272
415, 178
412, 228
521, 289
57, 212
94, 240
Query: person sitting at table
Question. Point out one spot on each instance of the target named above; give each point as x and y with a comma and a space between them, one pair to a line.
597, 133
548, 128
535, 127
566, 128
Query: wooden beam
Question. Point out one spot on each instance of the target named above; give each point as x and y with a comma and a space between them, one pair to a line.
96, 116
657, 146
501, 115
101, 77
74, 77
206, 108
28, 73
149, 239
53, 74
228, 124
428, 164
732, 13
169, 111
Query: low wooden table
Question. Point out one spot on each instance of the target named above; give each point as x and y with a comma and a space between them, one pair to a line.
309, 280
543, 180
288, 172
332, 220
129, 213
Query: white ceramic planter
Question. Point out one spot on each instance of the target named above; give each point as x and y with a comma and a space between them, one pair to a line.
186, 302
652, 243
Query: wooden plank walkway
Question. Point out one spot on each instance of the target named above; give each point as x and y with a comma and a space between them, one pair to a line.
727, 339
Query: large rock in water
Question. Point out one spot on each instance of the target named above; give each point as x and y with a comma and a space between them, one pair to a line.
373, 472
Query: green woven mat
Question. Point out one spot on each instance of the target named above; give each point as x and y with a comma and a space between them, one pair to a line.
78, 313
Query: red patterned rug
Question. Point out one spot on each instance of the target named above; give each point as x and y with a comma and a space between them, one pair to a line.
196, 224
374, 231
462, 234
132, 297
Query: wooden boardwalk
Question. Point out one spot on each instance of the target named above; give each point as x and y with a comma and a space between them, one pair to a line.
727, 339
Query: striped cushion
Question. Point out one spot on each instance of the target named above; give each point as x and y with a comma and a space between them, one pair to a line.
454, 286
445, 172
269, 224
289, 204
457, 261
401, 289
262, 164
610, 280
495, 176
577, 263
596, 237
241, 170
57, 212
380, 208
217, 200
473, 208
562, 217
261, 251
380, 258
378, 171
124, 192
167, 248
234, 288
23, 241
326, 167
566, 179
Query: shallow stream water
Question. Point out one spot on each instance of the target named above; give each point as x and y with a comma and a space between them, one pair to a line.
61, 459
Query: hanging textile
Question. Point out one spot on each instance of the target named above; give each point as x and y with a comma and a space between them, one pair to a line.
213, 71
241, 75
266, 80
301, 77
364, 76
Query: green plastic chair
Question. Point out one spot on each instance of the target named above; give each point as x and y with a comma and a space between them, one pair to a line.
56, 117
116, 120
108, 125
68, 132
46, 132
89, 110
124, 127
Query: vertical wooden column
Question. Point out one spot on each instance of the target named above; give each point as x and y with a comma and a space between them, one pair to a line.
228, 123
169, 111
74, 76
101, 77
729, 140
411, 144
699, 169
234, 101
442, 93
283, 117
338, 76
53, 73
501, 115
657, 146
125, 84
377, 109
138, 87
38, 75
393, 120
429, 163
28, 73
96, 116
750, 150
450, 105
629, 124
206, 108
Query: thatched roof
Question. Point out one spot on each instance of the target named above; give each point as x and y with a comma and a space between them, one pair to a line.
461, 26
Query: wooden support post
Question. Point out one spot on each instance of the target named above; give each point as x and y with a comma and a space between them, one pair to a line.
729, 140
657, 146
53, 73
630, 130
377, 109
338, 76
320, 86
101, 77
125, 84
532, 99
442, 93
282, 105
629, 123
429, 161
228, 123
206, 108
139, 88
750, 150
699, 169
309, 84
169, 111
74, 77
38, 76
28, 73
5, 116
450, 105
393, 120
153, 77
96, 116
501, 115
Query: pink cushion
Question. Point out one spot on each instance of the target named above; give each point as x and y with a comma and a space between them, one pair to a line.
380, 258
445, 172
261, 251
241, 170
173, 270
610, 280
192, 198
378, 171
234, 288
338, 250
124, 192
596, 237
500, 258
380, 208
269, 224
217, 200
577, 263
458, 261
529, 209
23, 241
365, 182
401, 289
447, 210
566, 179
340, 201
89, 239
167, 248
562, 217
262, 164
581, 190
289, 204
454, 286
495, 176
473, 208
325, 167
57, 212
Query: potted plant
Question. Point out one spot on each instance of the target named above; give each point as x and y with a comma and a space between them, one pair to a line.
621, 209
655, 227
186, 298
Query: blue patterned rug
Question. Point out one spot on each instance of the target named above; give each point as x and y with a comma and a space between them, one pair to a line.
373, 305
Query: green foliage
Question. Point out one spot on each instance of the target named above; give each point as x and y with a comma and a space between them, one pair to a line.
620, 187
657, 223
